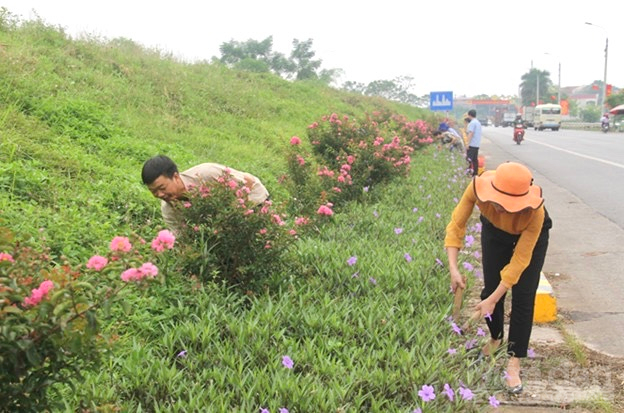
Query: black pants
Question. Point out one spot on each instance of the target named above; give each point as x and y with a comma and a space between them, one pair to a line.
497, 248
472, 156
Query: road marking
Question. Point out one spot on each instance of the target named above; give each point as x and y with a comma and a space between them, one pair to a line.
617, 165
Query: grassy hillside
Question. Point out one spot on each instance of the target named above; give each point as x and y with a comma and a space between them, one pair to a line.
79, 117
364, 318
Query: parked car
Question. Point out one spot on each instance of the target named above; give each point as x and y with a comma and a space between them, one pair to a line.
484, 121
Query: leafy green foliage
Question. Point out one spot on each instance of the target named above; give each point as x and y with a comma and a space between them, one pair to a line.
228, 238
349, 157
79, 117
50, 317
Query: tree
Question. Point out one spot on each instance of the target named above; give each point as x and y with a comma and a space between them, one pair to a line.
615, 99
233, 52
529, 86
302, 57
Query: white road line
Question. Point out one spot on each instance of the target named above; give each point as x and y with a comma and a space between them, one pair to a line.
580, 155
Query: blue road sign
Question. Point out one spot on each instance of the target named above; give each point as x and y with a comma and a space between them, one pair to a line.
441, 100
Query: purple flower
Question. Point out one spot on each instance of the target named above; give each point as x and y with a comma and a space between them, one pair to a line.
469, 241
355, 274
456, 328
182, 354
480, 332
494, 402
470, 344
365, 189
417, 410
439, 262
438, 215
452, 351
351, 261
263, 410
372, 280
408, 257
283, 410
414, 209
426, 393
398, 230
448, 390
531, 353
465, 393
468, 266
476, 254
420, 219
375, 214
287, 362
488, 316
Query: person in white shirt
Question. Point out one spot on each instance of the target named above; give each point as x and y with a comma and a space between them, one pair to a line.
162, 178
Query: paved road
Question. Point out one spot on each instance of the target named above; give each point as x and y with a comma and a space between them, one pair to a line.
587, 246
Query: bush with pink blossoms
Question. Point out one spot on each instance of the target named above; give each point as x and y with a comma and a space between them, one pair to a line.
49, 312
346, 158
228, 238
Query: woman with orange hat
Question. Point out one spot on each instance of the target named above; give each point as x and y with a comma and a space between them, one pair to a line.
514, 240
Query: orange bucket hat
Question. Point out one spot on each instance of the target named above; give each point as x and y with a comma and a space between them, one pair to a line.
510, 186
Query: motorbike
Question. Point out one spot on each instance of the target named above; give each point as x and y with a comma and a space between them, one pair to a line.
518, 133
605, 127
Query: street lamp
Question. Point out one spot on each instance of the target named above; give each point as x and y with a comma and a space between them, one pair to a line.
604, 85
558, 80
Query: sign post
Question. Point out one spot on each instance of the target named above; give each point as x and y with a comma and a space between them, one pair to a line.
441, 101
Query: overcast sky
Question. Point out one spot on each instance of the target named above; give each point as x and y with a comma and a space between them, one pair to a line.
467, 47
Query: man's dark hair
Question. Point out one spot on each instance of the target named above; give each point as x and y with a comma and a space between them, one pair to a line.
157, 166
472, 113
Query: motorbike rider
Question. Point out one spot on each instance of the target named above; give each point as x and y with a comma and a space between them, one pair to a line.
604, 121
518, 133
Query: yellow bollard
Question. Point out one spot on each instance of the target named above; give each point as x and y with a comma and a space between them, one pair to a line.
545, 302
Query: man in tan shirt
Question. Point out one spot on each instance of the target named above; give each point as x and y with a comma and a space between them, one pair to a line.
162, 178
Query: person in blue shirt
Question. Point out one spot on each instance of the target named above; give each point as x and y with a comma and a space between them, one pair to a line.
473, 132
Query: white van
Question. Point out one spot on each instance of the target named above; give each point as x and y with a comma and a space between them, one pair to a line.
547, 116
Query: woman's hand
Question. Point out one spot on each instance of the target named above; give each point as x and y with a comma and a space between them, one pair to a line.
486, 308
457, 280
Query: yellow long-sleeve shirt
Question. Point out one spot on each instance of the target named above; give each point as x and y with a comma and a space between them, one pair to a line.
527, 224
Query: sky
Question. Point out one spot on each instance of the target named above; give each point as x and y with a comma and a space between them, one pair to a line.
468, 48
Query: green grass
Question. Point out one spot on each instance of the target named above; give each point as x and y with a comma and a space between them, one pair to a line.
79, 118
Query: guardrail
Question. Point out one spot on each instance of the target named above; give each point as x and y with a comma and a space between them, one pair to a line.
589, 126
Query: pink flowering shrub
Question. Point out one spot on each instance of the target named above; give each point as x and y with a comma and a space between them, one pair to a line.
49, 311
227, 237
348, 157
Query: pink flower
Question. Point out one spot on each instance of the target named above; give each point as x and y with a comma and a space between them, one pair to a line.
232, 184
149, 269
131, 274
325, 210
350, 159
263, 231
120, 244
187, 204
292, 232
301, 221
97, 262
164, 240
6, 257
300, 160
38, 294
295, 140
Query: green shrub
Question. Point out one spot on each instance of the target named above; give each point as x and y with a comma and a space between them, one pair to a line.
50, 313
227, 238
